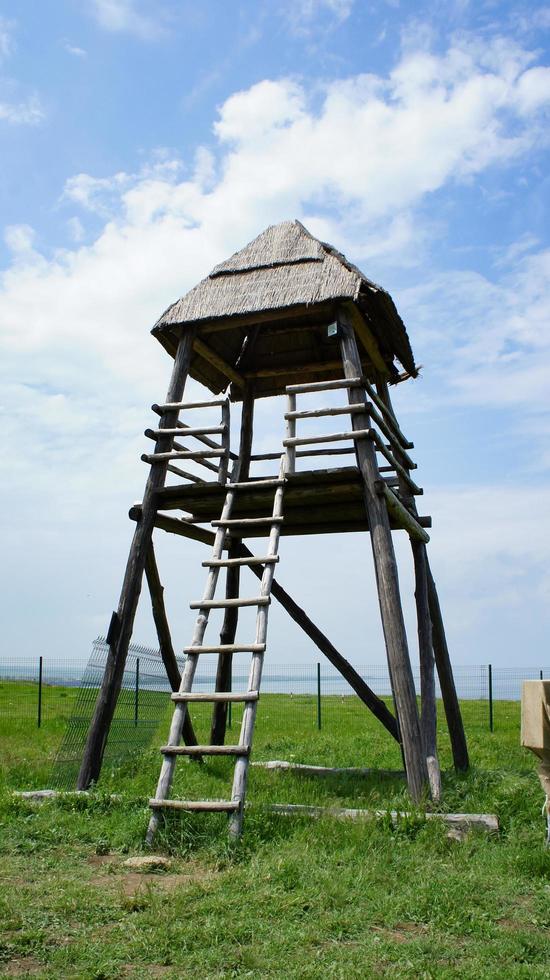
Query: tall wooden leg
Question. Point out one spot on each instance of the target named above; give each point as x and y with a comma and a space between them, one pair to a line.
428, 714
131, 588
228, 631
165, 640
387, 579
439, 640
451, 705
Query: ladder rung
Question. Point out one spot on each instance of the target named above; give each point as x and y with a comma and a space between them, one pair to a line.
181, 406
325, 385
254, 521
332, 437
213, 806
205, 750
262, 600
230, 562
182, 454
252, 484
188, 431
217, 696
317, 413
227, 648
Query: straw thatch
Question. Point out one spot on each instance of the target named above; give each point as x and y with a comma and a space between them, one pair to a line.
290, 283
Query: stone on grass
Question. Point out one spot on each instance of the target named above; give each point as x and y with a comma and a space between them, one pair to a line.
148, 862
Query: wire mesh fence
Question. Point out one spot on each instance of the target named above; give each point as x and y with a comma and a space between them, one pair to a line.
49, 692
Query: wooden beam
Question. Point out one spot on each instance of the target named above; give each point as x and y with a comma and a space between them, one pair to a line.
451, 704
367, 339
218, 362
428, 711
462, 821
400, 514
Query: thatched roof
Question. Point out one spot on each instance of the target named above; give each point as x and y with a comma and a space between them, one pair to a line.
281, 290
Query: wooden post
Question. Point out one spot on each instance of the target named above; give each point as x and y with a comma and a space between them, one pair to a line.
451, 704
386, 578
228, 631
124, 621
163, 634
428, 710
428, 713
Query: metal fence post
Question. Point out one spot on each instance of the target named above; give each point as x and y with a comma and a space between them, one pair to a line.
540, 675
490, 672
136, 694
319, 696
40, 669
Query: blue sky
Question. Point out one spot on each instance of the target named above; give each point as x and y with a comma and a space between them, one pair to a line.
141, 143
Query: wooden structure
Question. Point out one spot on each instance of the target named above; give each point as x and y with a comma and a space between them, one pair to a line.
287, 315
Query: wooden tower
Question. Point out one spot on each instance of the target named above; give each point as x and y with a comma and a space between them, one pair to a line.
286, 315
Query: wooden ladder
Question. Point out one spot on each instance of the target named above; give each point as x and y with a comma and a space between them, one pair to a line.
234, 807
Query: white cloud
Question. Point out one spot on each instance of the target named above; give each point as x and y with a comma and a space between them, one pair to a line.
78, 362
126, 16
19, 238
75, 50
306, 16
6, 38
28, 112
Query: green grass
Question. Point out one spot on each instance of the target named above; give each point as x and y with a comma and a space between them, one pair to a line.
296, 898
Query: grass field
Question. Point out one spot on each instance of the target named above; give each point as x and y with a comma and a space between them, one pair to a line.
296, 898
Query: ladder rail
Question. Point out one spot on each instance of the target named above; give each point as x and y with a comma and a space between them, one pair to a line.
242, 763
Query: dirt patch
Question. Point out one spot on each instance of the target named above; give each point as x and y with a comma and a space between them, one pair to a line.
402, 932
114, 874
22, 966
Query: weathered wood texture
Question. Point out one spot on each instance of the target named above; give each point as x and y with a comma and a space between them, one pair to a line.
387, 582
438, 638
131, 588
167, 652
228, 632
464, 821
428, 713
449, 696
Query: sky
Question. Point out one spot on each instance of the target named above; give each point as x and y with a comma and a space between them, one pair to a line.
143, 142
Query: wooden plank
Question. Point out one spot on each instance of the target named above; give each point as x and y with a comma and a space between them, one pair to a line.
387, 583
318, 413
218, 362
181, 406
464, 821
194, 806
226, 648
218, 696
330, 437
203, 430
229, 603
205, 750
324, 386
301, 769
198, 454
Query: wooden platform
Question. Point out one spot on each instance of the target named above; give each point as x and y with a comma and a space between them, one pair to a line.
316, 502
